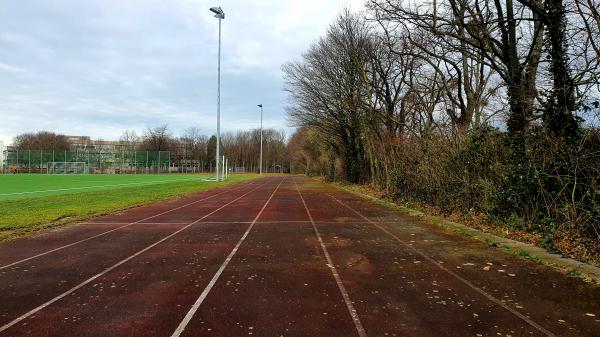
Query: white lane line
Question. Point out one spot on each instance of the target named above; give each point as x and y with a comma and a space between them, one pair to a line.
96, 186
190, 314
458, 277
89, 280
115, 229
229, 222
239, 222
338, 279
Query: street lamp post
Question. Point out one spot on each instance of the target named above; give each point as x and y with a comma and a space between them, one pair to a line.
220, 15
261, 139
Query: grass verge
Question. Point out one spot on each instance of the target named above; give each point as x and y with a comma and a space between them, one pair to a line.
24, 217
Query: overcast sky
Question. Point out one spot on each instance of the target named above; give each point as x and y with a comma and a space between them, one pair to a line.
98, 67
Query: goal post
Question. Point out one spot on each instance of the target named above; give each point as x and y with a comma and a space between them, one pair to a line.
61, 167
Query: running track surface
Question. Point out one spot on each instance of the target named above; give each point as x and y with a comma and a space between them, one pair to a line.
279, 256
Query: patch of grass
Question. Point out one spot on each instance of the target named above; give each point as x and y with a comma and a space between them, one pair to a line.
527, 255
582, 276
490, 243
22, 216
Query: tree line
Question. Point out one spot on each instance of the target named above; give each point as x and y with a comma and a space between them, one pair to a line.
476, 106
191, 148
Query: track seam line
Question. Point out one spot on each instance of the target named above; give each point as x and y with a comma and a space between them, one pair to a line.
338, 279
112, 230
190, 314
458, 277
107, 270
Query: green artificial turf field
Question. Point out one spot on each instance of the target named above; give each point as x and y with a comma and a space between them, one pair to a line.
39, 185
33, 202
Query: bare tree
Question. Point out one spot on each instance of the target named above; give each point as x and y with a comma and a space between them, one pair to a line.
329, 89
158, 139
42, 140
493, 34
129, 140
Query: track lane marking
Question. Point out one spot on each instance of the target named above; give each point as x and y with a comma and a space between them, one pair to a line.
190, 314
227, 222
458, 277
114, 229
338, 279
116, 265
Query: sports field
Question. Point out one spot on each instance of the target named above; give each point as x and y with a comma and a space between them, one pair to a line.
39, 185
32, 202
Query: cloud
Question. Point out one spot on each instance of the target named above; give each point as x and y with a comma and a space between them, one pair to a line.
98, 67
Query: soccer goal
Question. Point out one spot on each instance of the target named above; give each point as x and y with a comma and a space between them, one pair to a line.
61, 167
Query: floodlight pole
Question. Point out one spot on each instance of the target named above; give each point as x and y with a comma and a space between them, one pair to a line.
261, 139
219, 103
220, 15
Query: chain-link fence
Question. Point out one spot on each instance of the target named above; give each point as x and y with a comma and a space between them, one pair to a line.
39, 161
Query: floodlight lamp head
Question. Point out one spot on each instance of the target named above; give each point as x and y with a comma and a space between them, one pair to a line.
260, 105
218, 12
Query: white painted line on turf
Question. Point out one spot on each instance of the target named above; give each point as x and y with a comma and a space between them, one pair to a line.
114, 229
89, 280
137, 223
458, 277
338, 279
190, 314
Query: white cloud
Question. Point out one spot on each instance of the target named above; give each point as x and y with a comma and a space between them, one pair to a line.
11, 69
98, 67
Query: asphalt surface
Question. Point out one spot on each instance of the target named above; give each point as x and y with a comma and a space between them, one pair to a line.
279, 256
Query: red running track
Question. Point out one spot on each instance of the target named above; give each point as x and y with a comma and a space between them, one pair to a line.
279, 256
